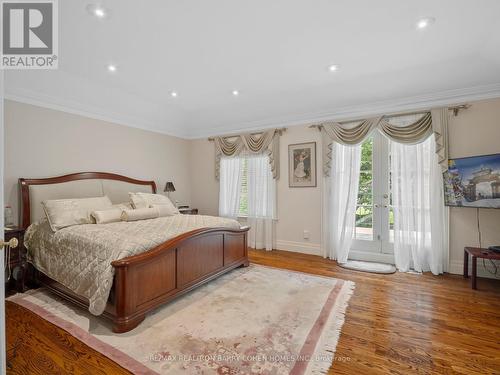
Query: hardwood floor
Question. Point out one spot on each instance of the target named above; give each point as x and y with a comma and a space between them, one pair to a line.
399, 324
407, 323
35, 346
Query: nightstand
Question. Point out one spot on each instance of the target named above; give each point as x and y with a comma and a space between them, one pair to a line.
189, 211
15, 261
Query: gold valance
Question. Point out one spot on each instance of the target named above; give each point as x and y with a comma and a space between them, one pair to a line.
428, 123
253, 143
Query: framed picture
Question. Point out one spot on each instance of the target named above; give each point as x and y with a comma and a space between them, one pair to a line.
302, 165
473, 182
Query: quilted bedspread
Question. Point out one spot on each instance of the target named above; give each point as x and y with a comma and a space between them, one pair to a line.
79, 257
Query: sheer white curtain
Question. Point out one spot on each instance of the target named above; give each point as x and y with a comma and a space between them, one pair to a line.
420, 218
343, 184
250, 175
230, 187
261, 187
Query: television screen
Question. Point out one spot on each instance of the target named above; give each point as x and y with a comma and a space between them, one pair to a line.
473, 182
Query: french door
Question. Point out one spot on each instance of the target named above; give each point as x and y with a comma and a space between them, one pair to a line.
374, 234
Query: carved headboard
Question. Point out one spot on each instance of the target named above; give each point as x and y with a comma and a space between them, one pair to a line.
76, 185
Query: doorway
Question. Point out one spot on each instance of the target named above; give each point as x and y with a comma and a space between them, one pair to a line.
374, 230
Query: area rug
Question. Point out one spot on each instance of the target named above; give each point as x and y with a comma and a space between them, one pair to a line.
371, 267
255, 320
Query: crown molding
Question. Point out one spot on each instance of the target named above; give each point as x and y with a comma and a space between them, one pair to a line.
386, 107
64, 105
443, 98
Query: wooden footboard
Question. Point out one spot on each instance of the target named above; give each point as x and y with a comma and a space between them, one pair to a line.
145, 281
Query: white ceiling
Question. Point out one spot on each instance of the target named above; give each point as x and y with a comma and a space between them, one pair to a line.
275, 52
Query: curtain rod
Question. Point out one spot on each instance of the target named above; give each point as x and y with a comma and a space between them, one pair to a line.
279, 130
455, 109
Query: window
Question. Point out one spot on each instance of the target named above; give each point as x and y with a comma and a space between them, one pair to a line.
247, 187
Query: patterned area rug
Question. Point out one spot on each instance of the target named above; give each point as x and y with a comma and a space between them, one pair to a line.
255, 320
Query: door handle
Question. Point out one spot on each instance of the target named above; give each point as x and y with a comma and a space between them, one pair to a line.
12, 243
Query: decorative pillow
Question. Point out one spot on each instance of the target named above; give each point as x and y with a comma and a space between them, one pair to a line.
63, 213
140, 214
124, 206
145, 200
113, 215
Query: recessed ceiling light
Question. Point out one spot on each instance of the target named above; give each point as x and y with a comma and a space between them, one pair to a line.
425, 22
97, 10
112, 68
235, 93
173, 94
333, 68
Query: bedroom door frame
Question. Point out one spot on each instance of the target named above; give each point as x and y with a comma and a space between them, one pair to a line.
3, 346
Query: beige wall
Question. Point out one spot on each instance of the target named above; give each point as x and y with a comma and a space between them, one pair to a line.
41, 142
205, 188
299, 209
475, 131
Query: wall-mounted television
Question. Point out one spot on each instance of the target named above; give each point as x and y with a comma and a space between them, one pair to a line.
473, 182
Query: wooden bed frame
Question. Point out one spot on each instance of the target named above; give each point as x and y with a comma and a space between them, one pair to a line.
145, 281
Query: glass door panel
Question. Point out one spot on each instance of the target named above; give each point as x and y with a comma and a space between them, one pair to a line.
374, 218
364, 207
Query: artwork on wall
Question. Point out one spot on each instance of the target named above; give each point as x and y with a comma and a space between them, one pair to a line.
473, 182
302, 165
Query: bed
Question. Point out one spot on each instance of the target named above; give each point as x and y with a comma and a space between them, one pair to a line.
168, 262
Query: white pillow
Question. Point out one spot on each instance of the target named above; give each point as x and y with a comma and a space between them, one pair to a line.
146, 200
153, 212
113, 215
63, 213
140, 214
124, 206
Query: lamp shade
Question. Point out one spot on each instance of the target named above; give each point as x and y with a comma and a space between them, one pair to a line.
169, 186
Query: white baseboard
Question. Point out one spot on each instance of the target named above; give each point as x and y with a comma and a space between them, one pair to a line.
457, 268
299, 247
